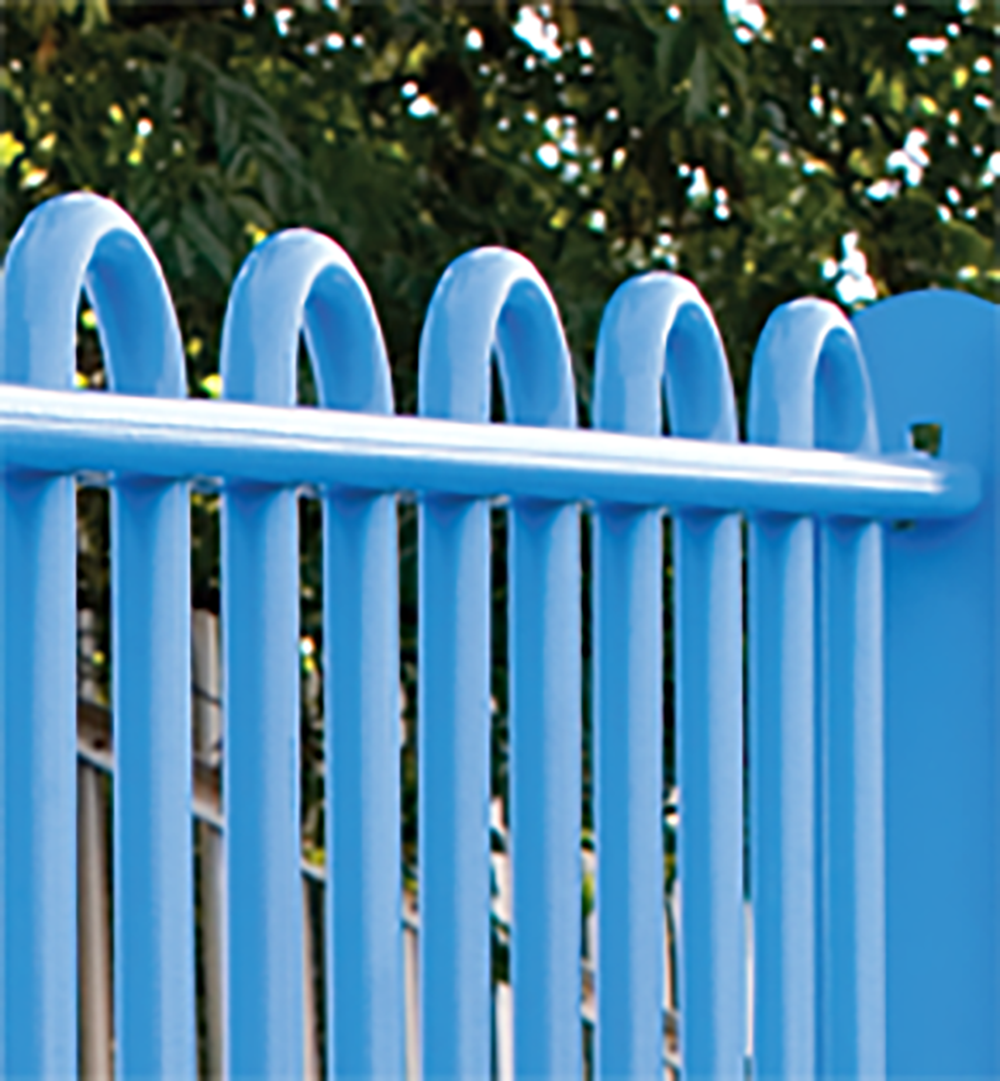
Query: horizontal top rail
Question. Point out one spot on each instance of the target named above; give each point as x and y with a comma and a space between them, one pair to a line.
74, 431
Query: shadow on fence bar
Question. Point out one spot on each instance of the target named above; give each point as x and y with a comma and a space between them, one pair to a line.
870, 646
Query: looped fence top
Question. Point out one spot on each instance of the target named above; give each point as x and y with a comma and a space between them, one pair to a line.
494, 301
84, 241
809, 385
295, 282
657, 331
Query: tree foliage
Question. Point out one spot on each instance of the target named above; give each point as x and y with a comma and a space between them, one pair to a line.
599, 139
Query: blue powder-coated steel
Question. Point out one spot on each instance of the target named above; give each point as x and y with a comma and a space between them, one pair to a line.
72, 243
816, 718
658, 333
872, 649
494, 302
301, 281
934, 357
63, 431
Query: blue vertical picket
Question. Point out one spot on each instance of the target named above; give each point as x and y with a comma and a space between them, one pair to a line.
627, 707
151, 699
39, 757
154, 888
811, 389
70, 243
853, 1038
361, 650
453, 757
782, 654
782, 788
364, 940
302, 281
260, 668
708, 673
658, 332
494, 302
627, 699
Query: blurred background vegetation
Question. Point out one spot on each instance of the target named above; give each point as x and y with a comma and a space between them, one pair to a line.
765, 150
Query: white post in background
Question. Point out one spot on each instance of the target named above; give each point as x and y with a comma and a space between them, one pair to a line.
94, 972
503, 997
94, 937
207, 715
312, 1070
411, 986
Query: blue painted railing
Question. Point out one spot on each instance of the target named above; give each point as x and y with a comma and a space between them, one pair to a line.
873, 695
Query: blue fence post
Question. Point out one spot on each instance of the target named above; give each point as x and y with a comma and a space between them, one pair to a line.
810, 388
933, 360
70, 243
657, 334
493, 301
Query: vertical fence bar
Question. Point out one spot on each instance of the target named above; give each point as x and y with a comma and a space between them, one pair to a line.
628, 731
37, 535
151, 679
153, 883
658, 330
39, 783
811, 389
628, 702
72, 242
782, 788
453, 720
709, 663
260, 622
299, 281
453, 713
852, 813
545, 674
260, 634
493, 302
363, 786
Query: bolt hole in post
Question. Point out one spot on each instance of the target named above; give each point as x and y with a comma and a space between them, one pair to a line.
925, 437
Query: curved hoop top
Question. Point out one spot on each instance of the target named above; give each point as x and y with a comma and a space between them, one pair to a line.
84, 241
491, 300
301, 281
809, 386
658, 332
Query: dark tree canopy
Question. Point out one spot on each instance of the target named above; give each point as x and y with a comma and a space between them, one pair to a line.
738, 143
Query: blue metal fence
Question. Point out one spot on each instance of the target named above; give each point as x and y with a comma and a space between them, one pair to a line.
872, 656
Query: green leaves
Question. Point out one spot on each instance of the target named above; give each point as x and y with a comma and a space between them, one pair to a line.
673, 137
